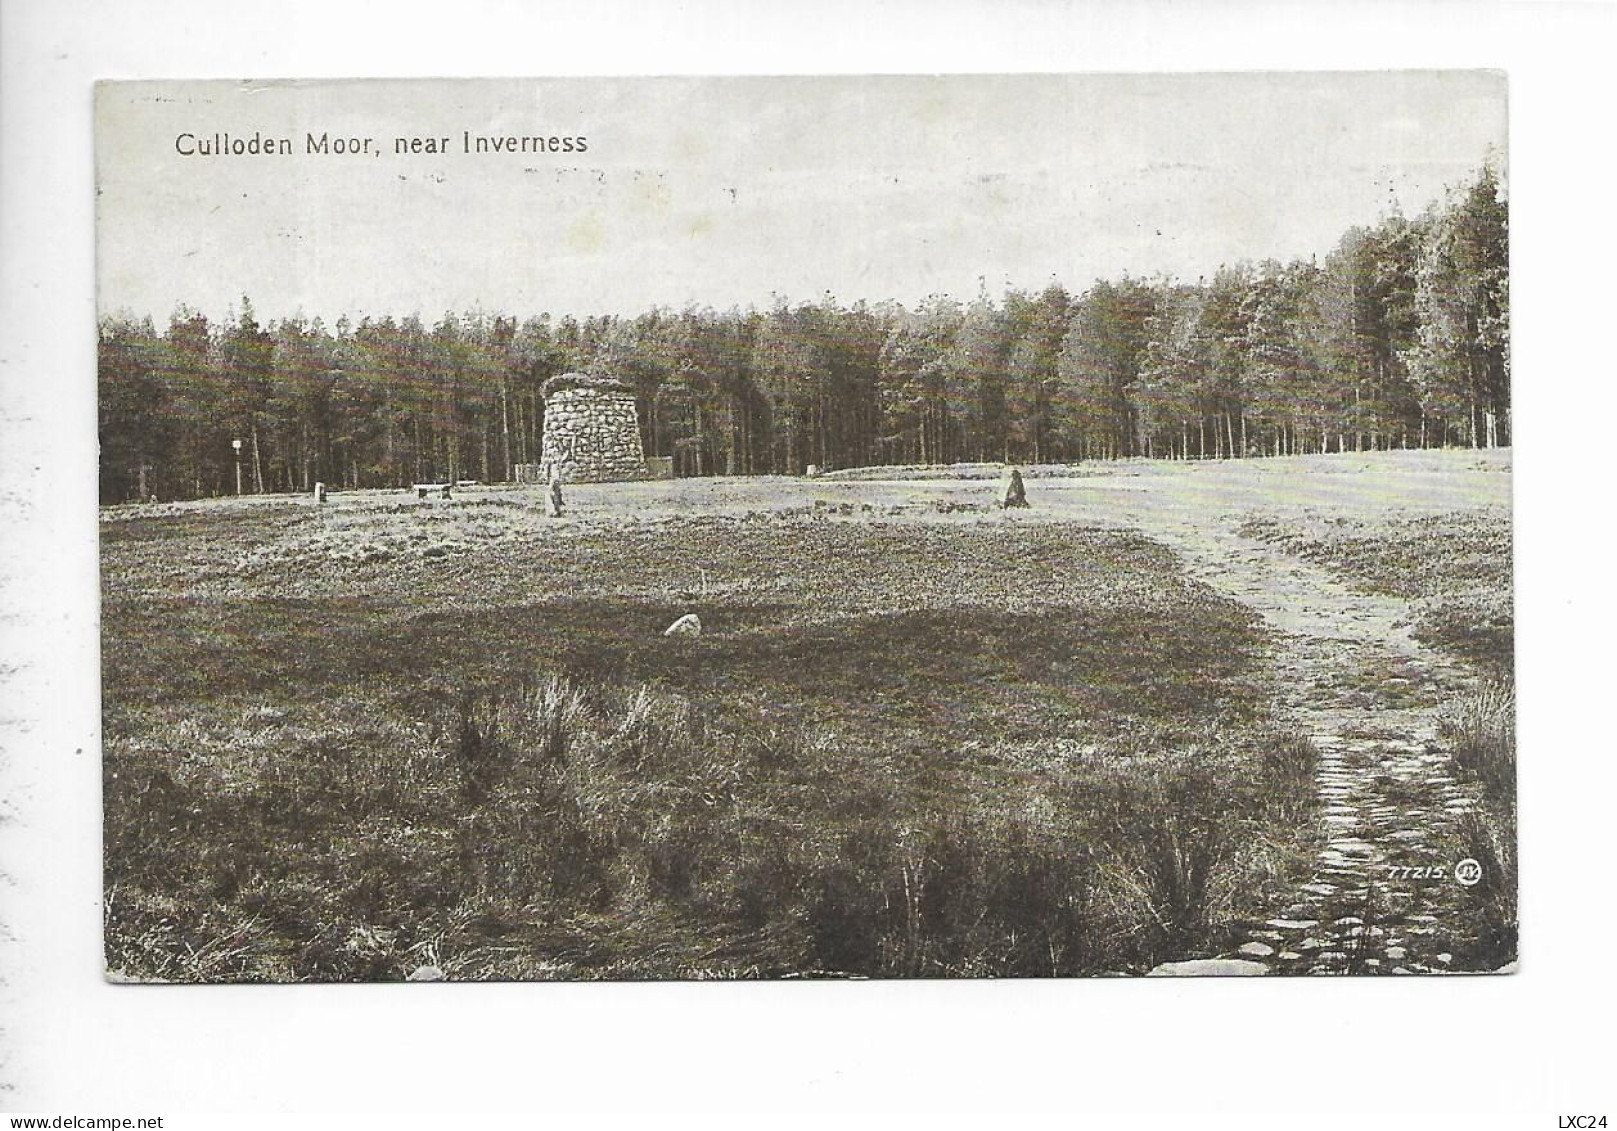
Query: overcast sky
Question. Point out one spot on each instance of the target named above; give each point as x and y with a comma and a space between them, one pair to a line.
725, 191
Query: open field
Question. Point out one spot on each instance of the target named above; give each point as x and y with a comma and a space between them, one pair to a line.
918, 735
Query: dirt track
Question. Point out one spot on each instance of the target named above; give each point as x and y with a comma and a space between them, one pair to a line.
1353, 677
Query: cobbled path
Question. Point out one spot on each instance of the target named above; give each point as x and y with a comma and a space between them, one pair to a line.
1366, 691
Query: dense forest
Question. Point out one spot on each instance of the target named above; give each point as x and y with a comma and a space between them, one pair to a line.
1398, 339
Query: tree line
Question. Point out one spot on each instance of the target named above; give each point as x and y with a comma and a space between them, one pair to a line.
1399, 338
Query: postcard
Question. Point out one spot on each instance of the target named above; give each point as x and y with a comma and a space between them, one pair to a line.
961, 526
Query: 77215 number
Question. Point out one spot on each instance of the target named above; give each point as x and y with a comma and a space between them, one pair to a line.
1417, 872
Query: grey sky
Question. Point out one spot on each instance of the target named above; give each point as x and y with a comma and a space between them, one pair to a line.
724, 191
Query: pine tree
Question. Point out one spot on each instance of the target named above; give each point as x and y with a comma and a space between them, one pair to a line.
1460, 363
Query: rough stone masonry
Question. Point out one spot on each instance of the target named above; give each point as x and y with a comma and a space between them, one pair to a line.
592, 430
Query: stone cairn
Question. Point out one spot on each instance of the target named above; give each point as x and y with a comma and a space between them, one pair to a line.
592, 430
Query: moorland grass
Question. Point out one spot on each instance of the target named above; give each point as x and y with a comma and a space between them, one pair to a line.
547, 831
900, 748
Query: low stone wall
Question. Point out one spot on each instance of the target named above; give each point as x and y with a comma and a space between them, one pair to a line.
593, 435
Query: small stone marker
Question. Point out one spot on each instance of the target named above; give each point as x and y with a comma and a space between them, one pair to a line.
319, 492
553, 495
1011, 491
426, 974
813, 471
687, 625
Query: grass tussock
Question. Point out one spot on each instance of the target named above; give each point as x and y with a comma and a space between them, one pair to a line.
1488, 835
1481, 735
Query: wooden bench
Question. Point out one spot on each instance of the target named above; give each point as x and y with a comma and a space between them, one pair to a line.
422, 490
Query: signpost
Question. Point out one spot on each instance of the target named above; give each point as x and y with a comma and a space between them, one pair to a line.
236, 444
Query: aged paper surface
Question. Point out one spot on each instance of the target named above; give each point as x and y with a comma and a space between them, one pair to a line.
958, 526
